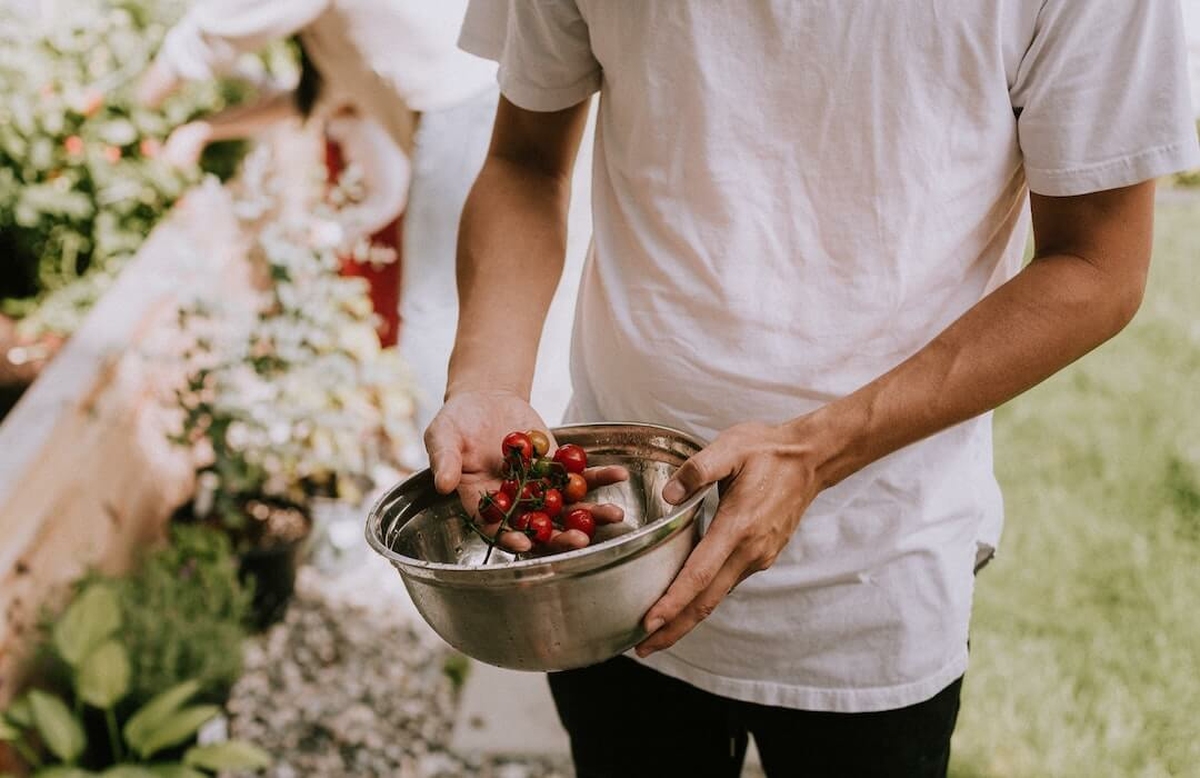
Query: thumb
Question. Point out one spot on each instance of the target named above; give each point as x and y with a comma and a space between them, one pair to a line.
445, 460
709, 465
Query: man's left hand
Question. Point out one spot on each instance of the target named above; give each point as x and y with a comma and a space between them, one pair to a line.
767, 475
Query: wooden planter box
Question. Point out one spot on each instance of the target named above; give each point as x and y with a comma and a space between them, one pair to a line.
87, 476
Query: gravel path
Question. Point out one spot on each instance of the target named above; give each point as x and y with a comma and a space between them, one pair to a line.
343, 689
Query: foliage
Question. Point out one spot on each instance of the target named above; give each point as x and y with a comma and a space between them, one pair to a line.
301, 401
1084, 635
184, 614
80, 182
48, 730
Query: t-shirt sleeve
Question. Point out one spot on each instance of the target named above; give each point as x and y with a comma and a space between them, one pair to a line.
543, 48
1102, 96
211, 36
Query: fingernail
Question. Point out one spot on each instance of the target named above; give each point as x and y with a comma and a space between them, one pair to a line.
644, 652
654, 624
673, 492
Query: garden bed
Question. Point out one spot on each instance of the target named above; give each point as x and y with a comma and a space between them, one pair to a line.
86, 472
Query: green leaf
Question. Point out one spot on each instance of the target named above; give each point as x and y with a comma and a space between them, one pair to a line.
104, 675
176, 728
59, 729
138, 728
128, 771
20, 712
8, 731
90, 620
228, 755
175, 771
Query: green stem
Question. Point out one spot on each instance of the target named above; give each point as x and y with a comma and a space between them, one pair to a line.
524, 478
114, 742
27, 753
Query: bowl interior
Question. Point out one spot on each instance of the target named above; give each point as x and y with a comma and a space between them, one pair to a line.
421, 525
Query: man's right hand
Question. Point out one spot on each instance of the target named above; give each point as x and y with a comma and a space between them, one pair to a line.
463, 442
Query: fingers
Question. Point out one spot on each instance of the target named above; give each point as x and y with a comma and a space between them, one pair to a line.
706, 561
605, 475
445, 459
568, 540
603, 513
516, 542
698, 609
709, 465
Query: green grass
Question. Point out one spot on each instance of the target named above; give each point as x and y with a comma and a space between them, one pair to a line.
1085, 647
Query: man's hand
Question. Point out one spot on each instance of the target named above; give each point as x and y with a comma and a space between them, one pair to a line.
155, 85
768, 478
186, 144
463, 442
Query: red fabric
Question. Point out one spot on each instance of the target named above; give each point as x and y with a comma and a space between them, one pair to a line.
383, 280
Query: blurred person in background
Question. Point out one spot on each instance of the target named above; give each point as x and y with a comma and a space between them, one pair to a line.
810, 222
399, 100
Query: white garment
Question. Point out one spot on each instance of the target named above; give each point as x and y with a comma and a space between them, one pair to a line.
388, 57
385, 170
792, 198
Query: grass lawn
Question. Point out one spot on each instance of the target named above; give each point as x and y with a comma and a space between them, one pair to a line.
1086, 633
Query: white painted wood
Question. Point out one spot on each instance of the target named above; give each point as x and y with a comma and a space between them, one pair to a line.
86, 473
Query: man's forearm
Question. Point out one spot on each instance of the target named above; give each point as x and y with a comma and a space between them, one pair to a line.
512, 242
1057, 309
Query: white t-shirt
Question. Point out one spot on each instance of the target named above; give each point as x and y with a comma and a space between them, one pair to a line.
387, 57
792, 198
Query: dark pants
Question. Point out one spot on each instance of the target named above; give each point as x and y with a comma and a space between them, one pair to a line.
627, 721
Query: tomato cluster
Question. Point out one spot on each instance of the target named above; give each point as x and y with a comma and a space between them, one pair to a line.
537, 489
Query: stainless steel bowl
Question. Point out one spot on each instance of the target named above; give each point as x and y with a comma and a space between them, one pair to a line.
553, 612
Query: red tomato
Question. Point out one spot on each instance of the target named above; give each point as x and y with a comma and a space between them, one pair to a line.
572, 457
576, 488
532, 491
552, 503
494, 507
518, 443
540, 441
582, 520
509, 487
522, 520
541, 527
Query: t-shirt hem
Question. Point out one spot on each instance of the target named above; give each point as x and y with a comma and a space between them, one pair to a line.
799, 697
537, 98
486, 46
1115, 173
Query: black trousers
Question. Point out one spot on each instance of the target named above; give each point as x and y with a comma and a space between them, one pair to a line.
628, 721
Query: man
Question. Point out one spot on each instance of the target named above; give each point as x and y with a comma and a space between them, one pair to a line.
809, 225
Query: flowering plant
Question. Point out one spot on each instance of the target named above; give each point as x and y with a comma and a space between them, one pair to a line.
81, 184
303, 402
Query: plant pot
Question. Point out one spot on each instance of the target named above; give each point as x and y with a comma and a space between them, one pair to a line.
272, 573
21, 361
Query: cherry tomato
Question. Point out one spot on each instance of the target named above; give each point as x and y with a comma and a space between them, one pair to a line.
522, 520
518, 443
543, 468
541, 526
572, 457
509, 487
576, 488
494, 507
531, 492
552, 503
582, 520
540, 441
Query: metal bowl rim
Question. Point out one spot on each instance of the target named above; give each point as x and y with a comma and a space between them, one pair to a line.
551, 562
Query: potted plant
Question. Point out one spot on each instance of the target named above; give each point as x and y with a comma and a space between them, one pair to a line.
47, 728
303, 406
81, 180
